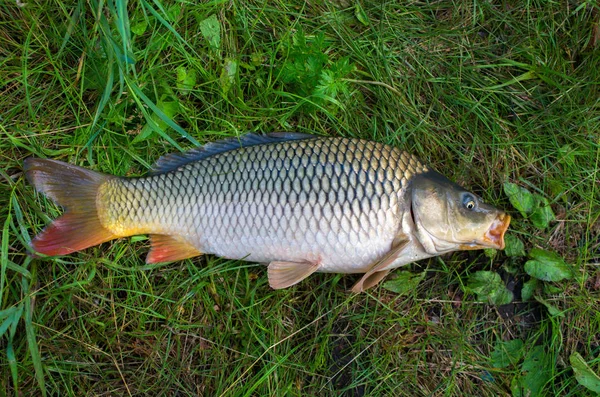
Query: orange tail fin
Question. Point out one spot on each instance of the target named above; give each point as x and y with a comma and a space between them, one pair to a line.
75, 189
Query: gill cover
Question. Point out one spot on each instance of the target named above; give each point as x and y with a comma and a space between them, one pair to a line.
449, 218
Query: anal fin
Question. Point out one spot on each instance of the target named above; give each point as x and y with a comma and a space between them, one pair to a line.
170, 248
285, 274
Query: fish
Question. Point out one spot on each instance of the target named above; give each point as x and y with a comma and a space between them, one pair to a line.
298, 203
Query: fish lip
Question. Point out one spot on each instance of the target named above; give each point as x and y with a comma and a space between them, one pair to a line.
494, 237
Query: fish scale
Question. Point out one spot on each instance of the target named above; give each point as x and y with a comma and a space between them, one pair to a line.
316, 199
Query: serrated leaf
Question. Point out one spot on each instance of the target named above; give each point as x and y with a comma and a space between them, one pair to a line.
186, 79
514, 245
547, 266
211, 30
507, 353
542, 214
528, 289
404, 282
489, 288
584, 374
520, 198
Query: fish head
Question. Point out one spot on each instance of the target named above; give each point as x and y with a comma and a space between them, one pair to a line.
448, 218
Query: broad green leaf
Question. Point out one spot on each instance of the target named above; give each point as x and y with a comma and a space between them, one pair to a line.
507, 353
482, 281
543, 214
211, 30
186, 79
536, 370
520, 198
547, 266
584, 374
228, 75
501, 296
404, 282
528, 289
489, 288
514, 245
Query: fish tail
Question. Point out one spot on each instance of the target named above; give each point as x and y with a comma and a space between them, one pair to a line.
75, 189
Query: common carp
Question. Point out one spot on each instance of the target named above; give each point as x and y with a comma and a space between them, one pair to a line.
298, 203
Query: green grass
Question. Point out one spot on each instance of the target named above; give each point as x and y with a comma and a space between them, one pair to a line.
486, 92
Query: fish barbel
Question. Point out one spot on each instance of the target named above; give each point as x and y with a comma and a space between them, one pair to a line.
297, 202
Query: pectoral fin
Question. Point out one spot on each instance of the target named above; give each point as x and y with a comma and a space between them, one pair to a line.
377, 273
285, 274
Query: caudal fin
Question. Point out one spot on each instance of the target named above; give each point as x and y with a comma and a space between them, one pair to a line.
75, 189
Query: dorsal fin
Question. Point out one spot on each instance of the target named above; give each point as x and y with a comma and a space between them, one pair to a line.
173, 161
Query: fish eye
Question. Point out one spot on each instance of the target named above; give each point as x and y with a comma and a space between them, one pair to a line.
469, 202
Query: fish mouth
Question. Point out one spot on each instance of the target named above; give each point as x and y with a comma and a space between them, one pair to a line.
495, 234
493, 237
